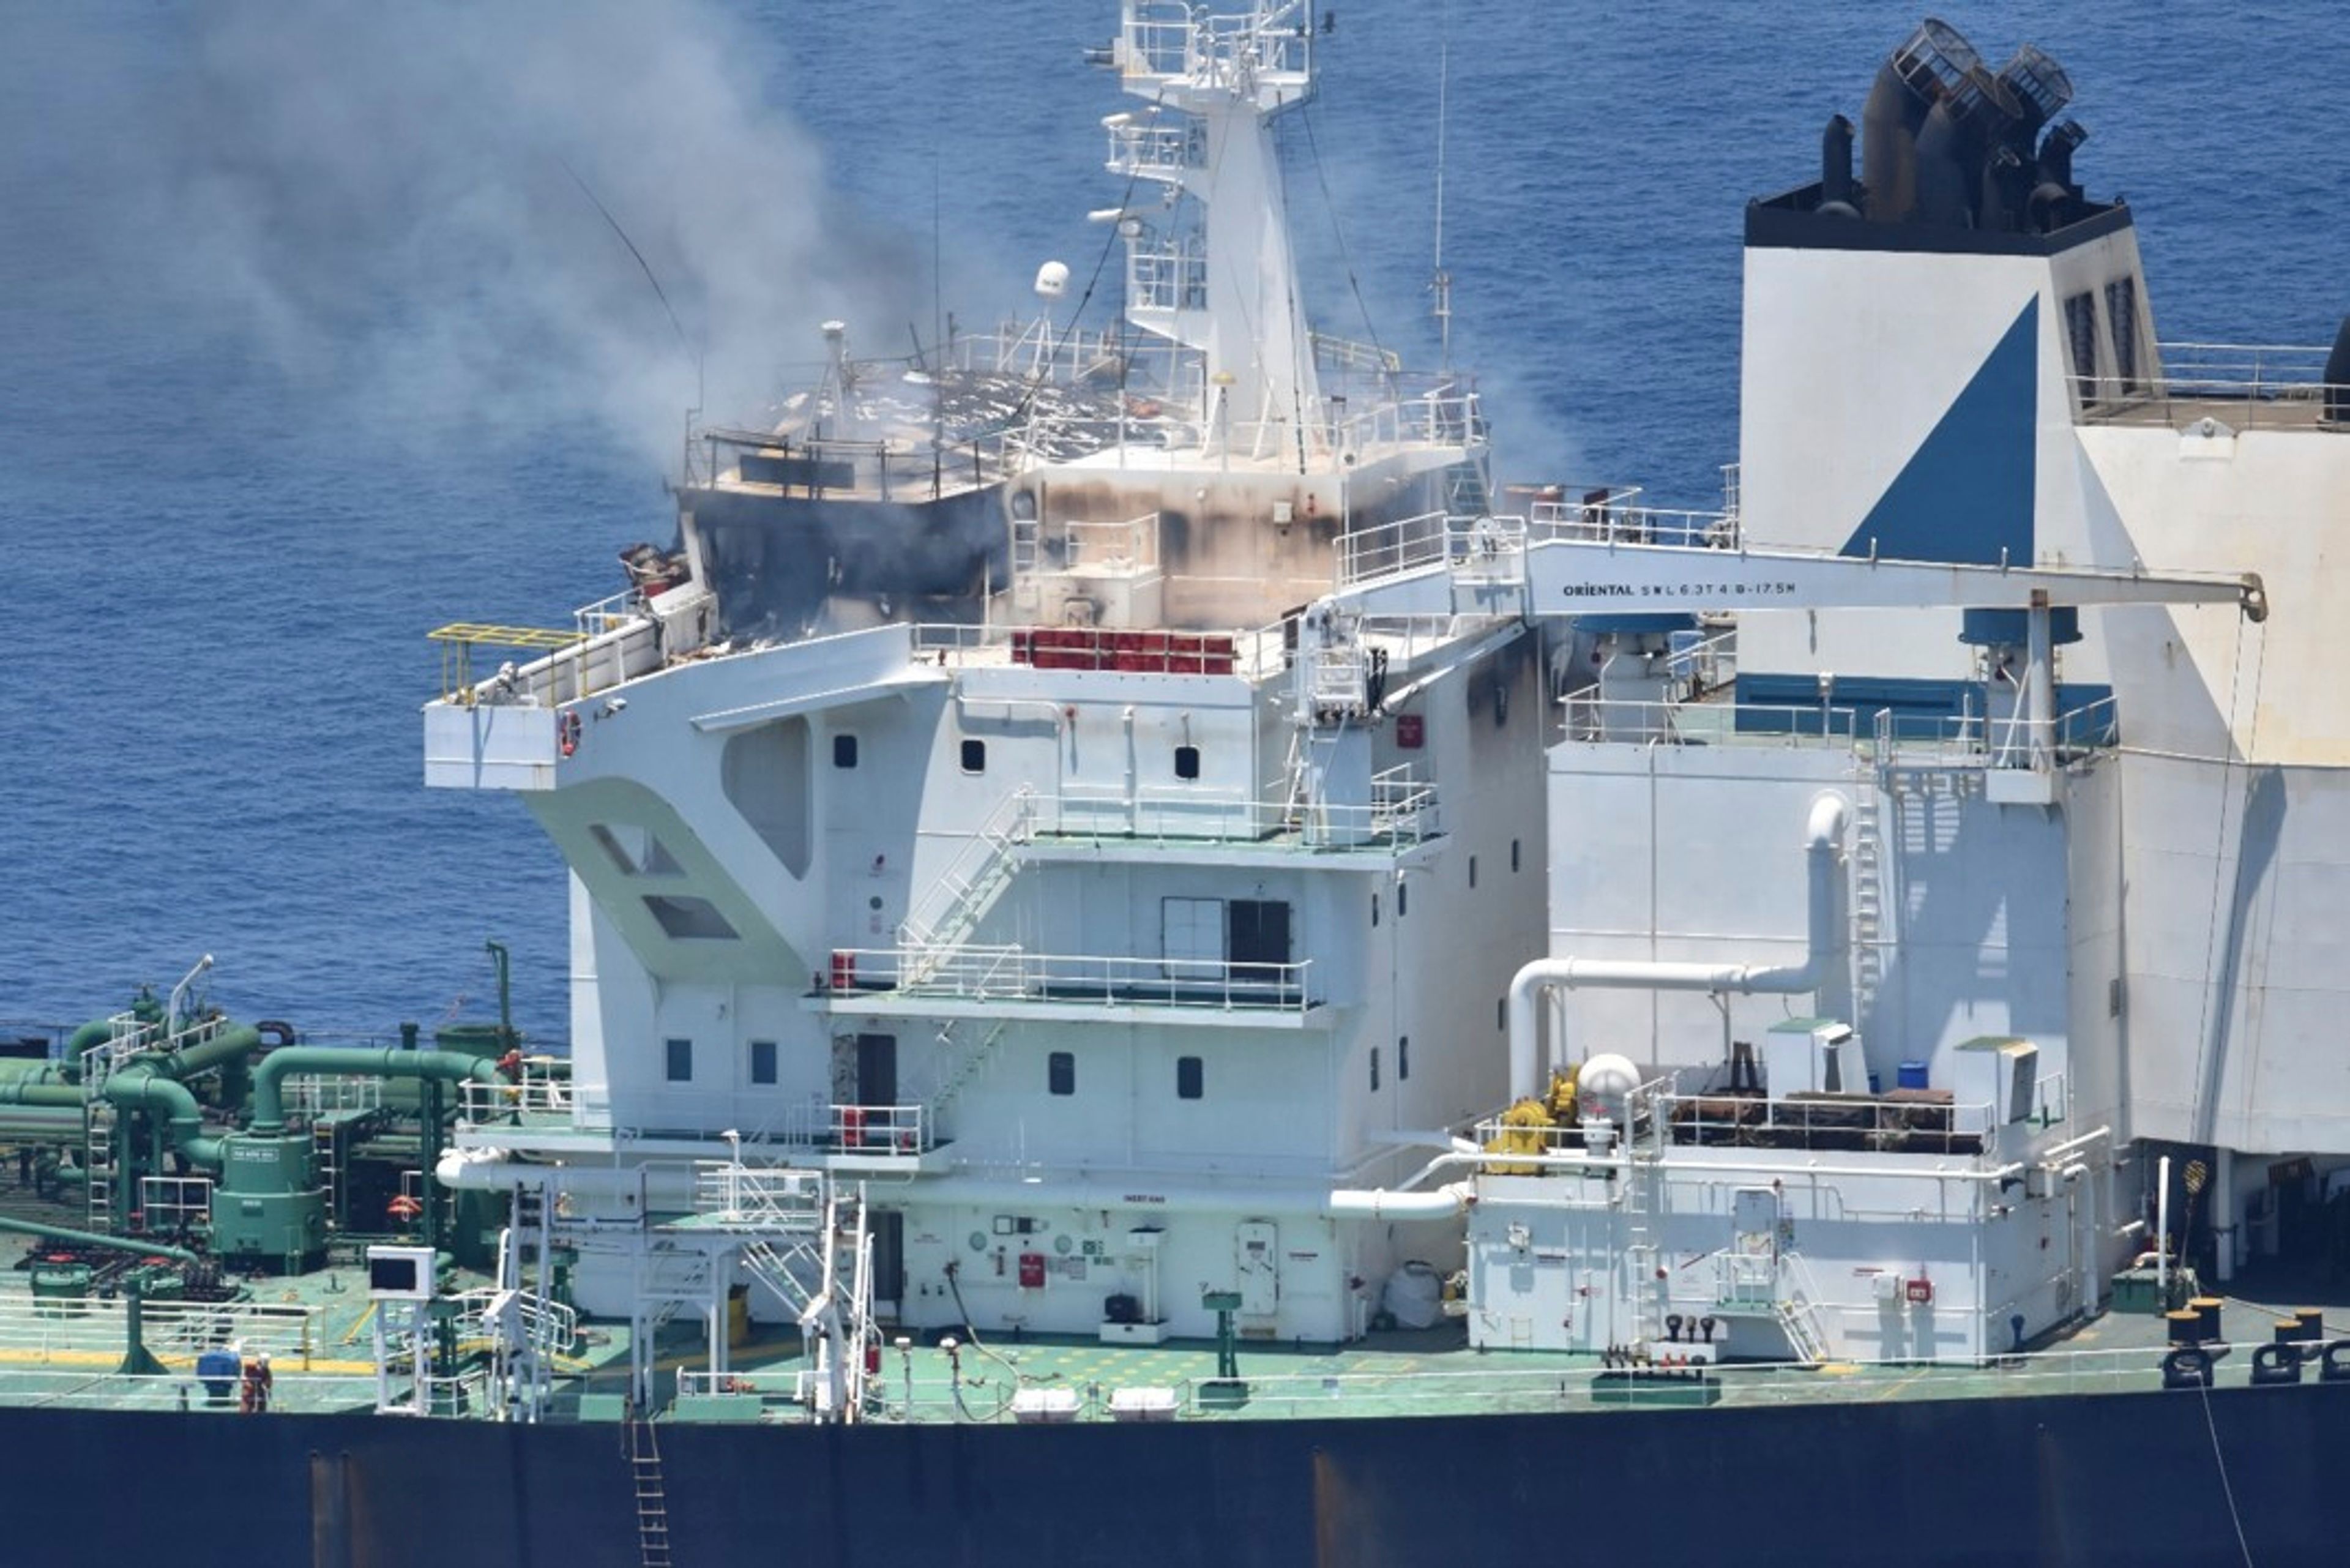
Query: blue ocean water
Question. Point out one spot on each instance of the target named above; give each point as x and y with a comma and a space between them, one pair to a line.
311, 339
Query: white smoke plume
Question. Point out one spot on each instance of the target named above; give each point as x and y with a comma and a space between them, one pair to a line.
395, 201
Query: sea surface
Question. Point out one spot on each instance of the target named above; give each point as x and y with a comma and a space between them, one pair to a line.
318, 330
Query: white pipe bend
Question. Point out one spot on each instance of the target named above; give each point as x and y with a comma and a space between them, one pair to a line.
1826, 939
1384, 1203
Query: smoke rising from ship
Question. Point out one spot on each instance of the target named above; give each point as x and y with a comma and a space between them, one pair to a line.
383, 198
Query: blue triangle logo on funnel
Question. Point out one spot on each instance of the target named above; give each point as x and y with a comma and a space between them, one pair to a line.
1966, 494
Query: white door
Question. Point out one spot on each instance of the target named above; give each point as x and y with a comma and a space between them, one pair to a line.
1258, 1245
1192, 932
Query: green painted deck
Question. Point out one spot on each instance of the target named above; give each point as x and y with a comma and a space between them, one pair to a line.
327, 1364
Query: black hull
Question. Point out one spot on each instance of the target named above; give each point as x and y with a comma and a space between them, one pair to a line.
2058, 1479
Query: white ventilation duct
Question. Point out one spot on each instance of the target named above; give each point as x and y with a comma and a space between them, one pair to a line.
1828, 938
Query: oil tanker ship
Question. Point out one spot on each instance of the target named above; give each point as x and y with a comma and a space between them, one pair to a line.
1159, 972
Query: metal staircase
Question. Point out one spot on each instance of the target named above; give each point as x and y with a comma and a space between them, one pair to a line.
1798, 1310
952, 906
1466, 490
803, 1236
969, 1066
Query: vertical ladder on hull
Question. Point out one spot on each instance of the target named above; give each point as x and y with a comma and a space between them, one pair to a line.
1026, 532
652, 1493
97, 1162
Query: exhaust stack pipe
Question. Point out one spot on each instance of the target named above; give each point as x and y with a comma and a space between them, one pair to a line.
1933, 64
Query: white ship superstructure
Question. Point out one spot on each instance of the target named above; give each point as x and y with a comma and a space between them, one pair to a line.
1145, 958
2000, 394
1121, 949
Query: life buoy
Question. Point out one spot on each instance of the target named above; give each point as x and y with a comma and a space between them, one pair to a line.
567, 732
404, 1207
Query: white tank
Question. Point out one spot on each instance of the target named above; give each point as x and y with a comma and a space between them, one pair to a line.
1052, 280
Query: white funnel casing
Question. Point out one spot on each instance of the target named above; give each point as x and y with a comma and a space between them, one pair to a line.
1828, 941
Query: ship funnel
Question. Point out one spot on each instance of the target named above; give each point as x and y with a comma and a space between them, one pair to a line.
2055, 192
2041, 89
1835, 169
1954, 143
1934, 64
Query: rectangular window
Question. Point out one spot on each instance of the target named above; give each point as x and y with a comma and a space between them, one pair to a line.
762, 1061
1191, 937
1061, 1072
680, 1061
1189, 1075
1502, 1013
1403, 899
1375, 1069
1375, 909
1513, 855
1473, 871
1403, 1058
1187, 762
974, 756
844, 751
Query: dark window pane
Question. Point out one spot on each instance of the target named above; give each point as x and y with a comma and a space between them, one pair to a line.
1256, 939
844, 751
762, 1061
680, 1061
1188, 1078
974, 756
1061, 1072
1187, 762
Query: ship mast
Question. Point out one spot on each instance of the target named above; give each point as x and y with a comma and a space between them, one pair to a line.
1215, 275
1442, 282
